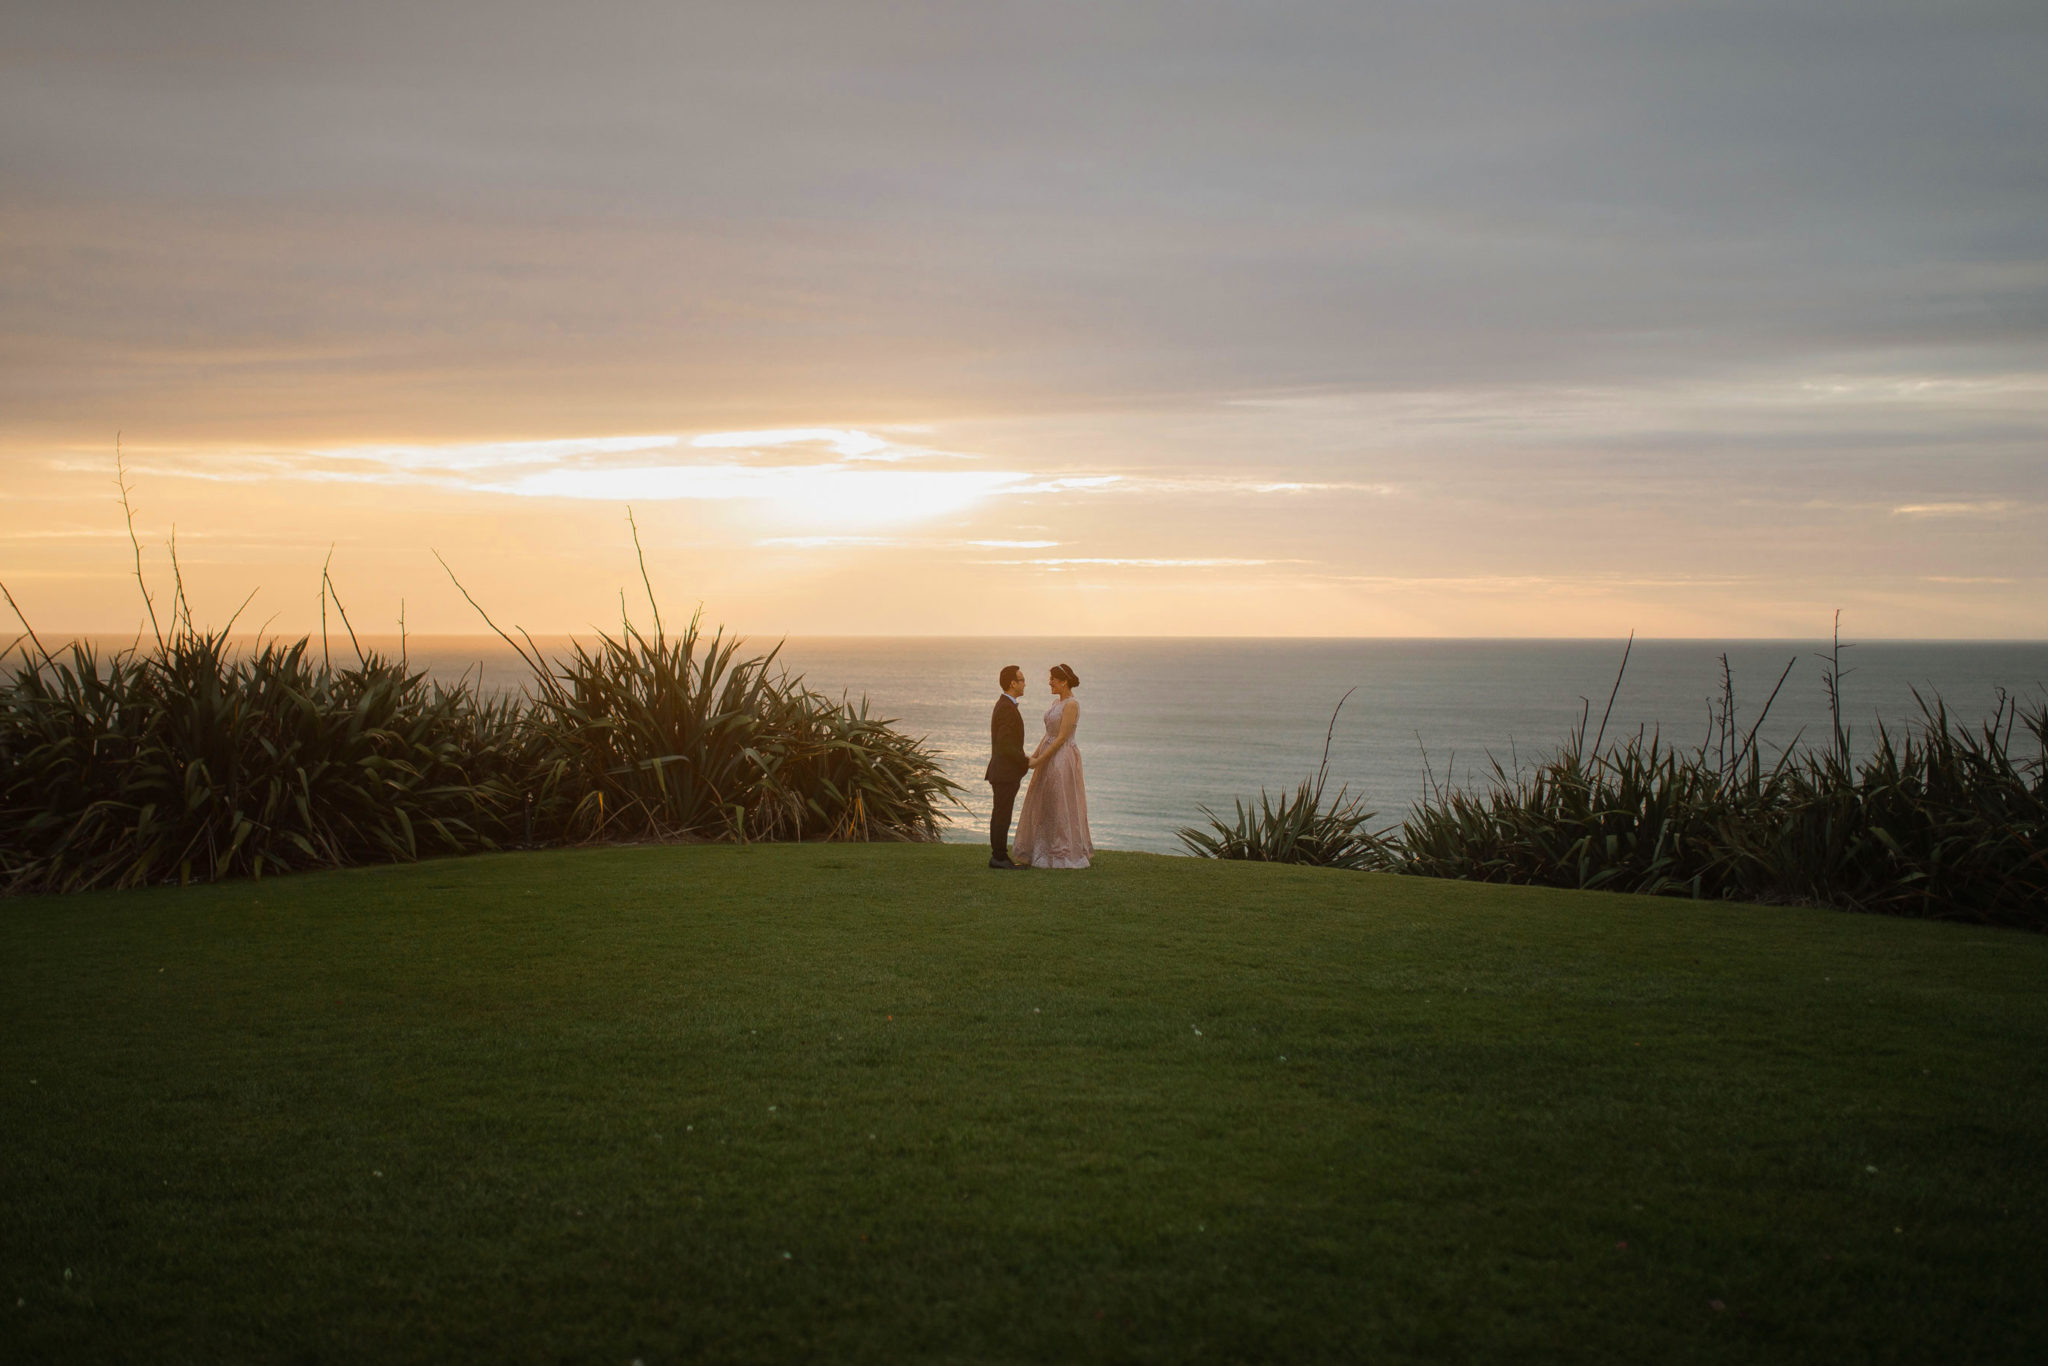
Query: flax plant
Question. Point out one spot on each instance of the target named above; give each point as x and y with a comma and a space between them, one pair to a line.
1308, 825
682, 737
190, 763
1939, 820
186, 760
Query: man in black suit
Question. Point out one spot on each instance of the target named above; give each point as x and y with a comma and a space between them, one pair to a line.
1007, 765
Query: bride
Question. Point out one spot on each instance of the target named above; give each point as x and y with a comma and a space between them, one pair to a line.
1052, 832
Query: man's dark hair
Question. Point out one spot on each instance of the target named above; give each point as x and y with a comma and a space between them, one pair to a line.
1011, 673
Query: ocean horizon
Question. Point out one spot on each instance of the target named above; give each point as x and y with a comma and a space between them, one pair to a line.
1172, 724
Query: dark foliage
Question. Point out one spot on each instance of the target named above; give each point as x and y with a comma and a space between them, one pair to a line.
190, 761
680, 737
195, 764
1306, 826
1939, 820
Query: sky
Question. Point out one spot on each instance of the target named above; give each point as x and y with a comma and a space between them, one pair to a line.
1495, 318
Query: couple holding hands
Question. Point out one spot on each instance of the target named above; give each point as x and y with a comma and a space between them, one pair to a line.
1052, 830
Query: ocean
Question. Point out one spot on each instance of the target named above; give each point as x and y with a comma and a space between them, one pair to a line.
1168, 726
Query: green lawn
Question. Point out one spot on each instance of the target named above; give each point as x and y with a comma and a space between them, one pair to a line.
879, 1103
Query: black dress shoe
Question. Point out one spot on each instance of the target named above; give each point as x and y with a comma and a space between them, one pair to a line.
999, 861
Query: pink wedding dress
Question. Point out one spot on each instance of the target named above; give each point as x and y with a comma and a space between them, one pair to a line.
1052, 832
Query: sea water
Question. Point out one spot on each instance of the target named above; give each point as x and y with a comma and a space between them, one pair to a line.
1169, 726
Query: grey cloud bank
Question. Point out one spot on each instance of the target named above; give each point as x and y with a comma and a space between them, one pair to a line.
1030, 200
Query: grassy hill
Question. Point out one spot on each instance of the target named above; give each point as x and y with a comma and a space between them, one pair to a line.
850, 1102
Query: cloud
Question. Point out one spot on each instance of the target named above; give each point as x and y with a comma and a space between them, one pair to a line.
896, 543
453, 464
1488, 583
41, 534
845, 443
817, 494
1085, 483
461, 457
1191, 486
1989, 507
710, 202
1119, 562
869, 480
1573, 288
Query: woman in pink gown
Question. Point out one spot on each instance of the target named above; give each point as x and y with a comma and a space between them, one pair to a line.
1052, 832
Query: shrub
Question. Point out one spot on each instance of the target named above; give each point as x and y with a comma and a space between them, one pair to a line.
670, 738
189, 761
1307, 826
1939, 820
192, 764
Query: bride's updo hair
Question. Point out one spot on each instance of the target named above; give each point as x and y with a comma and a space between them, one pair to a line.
1062, 672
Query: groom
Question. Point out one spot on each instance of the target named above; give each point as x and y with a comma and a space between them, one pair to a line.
1008, 763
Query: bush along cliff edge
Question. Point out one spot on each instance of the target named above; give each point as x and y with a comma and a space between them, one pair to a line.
184, 758
1940, 818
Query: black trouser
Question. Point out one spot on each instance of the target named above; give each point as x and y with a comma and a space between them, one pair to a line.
999, 818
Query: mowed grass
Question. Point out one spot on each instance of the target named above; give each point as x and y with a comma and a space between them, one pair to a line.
878, 1103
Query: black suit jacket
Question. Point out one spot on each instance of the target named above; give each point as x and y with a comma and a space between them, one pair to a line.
1008, 763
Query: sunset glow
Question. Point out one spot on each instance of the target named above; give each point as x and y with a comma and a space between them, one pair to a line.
791, 497
875, 335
